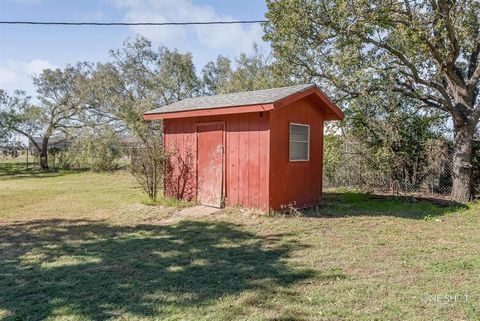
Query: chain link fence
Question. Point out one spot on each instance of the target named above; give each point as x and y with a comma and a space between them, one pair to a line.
350, 166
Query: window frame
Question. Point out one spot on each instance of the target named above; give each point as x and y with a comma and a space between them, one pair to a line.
290, 141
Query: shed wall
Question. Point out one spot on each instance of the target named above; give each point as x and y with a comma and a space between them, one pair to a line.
247, 145
298, 183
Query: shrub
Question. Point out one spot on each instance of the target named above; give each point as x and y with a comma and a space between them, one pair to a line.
148, 164
97, 150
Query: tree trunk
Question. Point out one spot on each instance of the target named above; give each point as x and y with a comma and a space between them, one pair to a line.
44, 154
462, 163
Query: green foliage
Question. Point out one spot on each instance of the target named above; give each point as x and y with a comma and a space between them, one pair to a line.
97, 150
400, 151
252, 72
137, 80
365, 47
176, 78
386, 142
216, 75
332, 156
59, 109
421, 54
18, 115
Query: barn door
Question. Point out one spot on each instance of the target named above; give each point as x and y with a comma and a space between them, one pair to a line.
210, 164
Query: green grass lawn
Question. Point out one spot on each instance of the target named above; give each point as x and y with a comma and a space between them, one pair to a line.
84, 246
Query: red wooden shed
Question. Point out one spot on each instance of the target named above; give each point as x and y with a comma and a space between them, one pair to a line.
260, 149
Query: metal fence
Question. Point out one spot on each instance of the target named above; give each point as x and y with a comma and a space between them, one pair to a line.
356, 169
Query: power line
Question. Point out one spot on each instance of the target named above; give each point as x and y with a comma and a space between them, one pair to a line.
191, 23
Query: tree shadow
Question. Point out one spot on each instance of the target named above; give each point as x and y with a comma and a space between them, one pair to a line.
345, 204
100, 271
16, 170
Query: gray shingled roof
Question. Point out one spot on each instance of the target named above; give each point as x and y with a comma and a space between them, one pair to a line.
246, 98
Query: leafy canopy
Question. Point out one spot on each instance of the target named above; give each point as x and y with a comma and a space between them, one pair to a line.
425, 50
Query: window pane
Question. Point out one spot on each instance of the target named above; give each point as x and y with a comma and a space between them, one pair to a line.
298, 133
299, 142
296, 137
298, 151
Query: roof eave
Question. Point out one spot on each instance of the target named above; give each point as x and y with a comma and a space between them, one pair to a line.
209, 112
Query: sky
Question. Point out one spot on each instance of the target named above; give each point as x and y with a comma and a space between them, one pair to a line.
27, 50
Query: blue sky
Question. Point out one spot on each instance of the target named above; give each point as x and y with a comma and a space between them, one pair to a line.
26, 50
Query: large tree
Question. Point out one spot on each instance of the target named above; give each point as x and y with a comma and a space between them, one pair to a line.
57, 109
425, 50
252, 71
19, 116
60, 107
140, 78
216, 75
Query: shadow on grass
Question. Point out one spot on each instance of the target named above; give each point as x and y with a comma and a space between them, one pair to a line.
55, 268
346, 204
15, 170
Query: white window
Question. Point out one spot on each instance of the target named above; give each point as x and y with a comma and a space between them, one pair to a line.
299, 142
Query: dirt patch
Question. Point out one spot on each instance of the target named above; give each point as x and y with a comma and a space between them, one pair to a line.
195, 212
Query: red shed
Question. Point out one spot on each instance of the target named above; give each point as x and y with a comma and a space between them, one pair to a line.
261, 149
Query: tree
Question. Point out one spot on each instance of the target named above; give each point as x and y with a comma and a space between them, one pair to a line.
400, 147
253, 71
97, 148
139, 79
424, 50
216, 75
58, 108
4, 133
18, 115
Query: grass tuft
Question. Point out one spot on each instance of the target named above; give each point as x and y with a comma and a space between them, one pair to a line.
166, 201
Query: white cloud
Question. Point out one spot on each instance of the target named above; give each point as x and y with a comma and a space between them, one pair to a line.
231, 38
16, 74
167, 35
96, 15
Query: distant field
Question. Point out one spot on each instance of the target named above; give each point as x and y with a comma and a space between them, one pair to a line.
75, 245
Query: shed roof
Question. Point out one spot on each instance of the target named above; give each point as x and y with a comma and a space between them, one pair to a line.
240, 99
